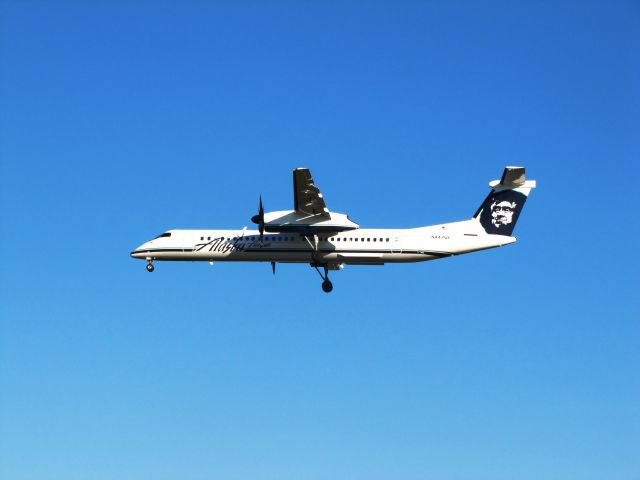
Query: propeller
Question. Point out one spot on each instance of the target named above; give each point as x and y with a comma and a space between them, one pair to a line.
259, 219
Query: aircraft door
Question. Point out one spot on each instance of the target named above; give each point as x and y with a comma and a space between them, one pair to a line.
395, 245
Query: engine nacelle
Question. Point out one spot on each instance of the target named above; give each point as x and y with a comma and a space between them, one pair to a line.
292, 222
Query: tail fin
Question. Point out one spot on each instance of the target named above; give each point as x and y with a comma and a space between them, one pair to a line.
499, 212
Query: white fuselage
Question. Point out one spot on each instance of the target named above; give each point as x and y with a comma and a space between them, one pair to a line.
356, 247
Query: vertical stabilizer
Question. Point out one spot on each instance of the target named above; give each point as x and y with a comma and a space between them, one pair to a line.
501, 209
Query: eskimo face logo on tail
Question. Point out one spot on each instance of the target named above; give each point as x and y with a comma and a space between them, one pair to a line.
500, 211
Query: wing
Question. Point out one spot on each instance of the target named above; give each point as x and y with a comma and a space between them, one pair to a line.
306, 196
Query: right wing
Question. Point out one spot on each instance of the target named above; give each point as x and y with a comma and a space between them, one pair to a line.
306, 196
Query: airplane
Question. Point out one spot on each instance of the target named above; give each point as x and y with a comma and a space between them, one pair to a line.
311, 233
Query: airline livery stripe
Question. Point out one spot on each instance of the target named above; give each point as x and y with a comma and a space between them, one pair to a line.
288, 250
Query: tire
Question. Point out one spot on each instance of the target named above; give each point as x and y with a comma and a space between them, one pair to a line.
327, 286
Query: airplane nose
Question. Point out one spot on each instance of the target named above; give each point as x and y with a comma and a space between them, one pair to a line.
139, 252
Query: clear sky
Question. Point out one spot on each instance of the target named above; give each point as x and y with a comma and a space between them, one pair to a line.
119, 120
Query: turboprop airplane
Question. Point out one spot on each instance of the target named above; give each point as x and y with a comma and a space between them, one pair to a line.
312, 234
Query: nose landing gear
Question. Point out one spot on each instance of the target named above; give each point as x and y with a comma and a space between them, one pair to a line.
150, 266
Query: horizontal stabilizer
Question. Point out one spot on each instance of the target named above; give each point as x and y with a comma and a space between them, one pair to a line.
512, 177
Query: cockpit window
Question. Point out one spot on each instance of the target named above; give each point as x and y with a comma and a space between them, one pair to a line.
166, 234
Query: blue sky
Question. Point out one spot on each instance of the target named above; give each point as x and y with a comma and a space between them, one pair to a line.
121, 120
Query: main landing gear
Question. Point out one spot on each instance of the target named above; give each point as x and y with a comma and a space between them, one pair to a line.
327, 286
150, 266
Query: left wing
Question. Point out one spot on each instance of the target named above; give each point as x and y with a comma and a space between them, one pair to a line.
306, 196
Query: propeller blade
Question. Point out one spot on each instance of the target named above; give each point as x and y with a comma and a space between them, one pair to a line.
273, 267
259, 219
261, 223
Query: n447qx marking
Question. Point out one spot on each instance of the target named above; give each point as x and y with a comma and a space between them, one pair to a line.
326, 240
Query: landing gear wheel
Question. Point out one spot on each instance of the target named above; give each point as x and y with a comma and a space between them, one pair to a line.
327, 286
150, 267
